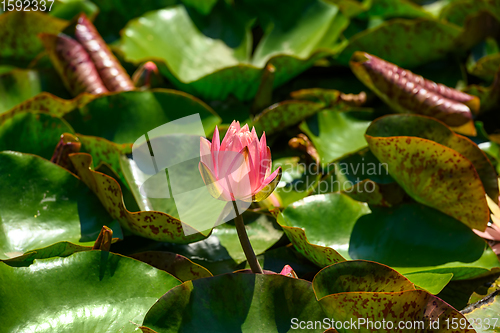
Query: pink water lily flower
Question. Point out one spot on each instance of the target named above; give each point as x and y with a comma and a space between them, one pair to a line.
239, 168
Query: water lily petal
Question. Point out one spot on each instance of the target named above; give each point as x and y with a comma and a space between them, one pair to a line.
268, 186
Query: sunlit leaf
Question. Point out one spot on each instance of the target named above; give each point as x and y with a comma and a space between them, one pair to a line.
230, 69
359, 275
42, 203
326, 220
427, 128
335, 134
151, 224
434, 175
92, 290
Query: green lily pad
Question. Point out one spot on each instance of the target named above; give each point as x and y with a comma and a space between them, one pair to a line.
493, 150
428, 128
370, 295
18, 35
483, 315
458, 12
362, 177
34, 133
375, 194
317, 27
489, 96
417, 237
92, 290
230, 69
485, 67
434, 175
104, 151
432, 282
367, 276
297, 179
49, 103
359, 275
387, 9
60, 249
274, 260
208, 253
151, 224
395, 309
125, 117
406, 43
319, 255
204, 7
42, 203
279, 116
486, 265
326, 219
19, 85
68, 9
260, 303
114, 14
173, 263
335, 134
260, 230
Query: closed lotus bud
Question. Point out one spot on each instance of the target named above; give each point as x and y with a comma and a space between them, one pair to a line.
73, 64
110, 70
406, 92
147, 75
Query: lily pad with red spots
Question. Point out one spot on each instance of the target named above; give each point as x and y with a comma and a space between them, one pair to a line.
151, 224
428, 128
434, 175
412, 39
374, 296
359, 275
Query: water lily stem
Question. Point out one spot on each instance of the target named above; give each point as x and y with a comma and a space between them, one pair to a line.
245, 243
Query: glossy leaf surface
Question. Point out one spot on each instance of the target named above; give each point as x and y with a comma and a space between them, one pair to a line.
71, 285
335, 134
326, 220
434, 175
42, 203
427, 128
156, 225
265, 303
